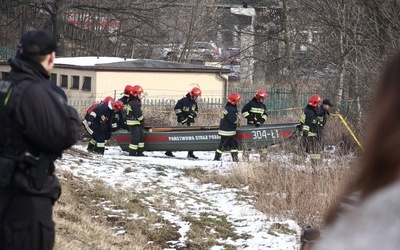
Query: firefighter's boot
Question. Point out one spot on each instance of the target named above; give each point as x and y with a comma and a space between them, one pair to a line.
90, 147
169, 153
99, 150
217, 156
140, 152
235, 157
133, 152
191, 155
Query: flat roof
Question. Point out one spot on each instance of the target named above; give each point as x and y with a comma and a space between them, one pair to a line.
122, 64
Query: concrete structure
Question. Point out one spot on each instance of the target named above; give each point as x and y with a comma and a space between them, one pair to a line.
90, 79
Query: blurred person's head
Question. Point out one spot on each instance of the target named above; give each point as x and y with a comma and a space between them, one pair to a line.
39, 46
326, 103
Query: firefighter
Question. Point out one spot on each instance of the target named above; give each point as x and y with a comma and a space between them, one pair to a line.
255, 110
227, 128
135, 121
100, 123
92, 142
309, 126
186, 111
36, 126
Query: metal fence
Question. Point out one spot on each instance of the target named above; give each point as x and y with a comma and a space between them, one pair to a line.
6, 53
279, 102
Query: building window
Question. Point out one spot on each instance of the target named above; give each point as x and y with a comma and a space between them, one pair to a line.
53, 78
87, 83
75, 82
3, 74
64, 81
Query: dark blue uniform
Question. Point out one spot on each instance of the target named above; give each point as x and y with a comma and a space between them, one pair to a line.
309, 130
227, 131
134, 122
102, 121
255, 112
186, 110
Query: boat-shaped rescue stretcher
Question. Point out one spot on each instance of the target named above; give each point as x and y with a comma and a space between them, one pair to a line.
203, 138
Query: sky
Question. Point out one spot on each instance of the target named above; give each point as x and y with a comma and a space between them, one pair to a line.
192, 196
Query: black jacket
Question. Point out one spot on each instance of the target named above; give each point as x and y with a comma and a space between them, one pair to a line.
186, 108
309, 121
255, 111
229, 121
34, 117
322, 115
134, 115
102, 118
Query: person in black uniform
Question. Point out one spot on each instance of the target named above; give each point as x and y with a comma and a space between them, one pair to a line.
36, 125
323, 114
227, 128
309, 126
92, 143
255, 110
186, 110
135, 121
100, 123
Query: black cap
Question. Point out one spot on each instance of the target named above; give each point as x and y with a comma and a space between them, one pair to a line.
37, 42
327, 102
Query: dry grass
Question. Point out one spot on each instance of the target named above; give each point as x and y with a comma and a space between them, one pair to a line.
89, 216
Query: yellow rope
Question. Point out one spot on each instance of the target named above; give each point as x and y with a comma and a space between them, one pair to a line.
348, 129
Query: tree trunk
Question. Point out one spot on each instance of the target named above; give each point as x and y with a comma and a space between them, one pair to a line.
289, 55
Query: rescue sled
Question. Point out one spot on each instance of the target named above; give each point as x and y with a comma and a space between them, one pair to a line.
203, 138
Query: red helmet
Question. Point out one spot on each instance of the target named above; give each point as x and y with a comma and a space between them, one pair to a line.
118, 105
195, 92
136, 90
234, 98
314, 100
261, 94
108, 99
128, 89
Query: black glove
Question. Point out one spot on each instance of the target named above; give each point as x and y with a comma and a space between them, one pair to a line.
257, 124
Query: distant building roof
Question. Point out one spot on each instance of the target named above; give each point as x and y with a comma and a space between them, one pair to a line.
121, 64
88, 60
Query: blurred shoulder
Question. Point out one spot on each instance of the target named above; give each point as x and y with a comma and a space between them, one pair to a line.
364, 227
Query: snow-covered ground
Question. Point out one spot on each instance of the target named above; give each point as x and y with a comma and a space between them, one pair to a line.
192, 196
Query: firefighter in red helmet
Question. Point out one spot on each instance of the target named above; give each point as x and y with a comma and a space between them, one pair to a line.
125, 97
227, 128
255, 110
135, 121
100, 121
309, 126
186, 111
